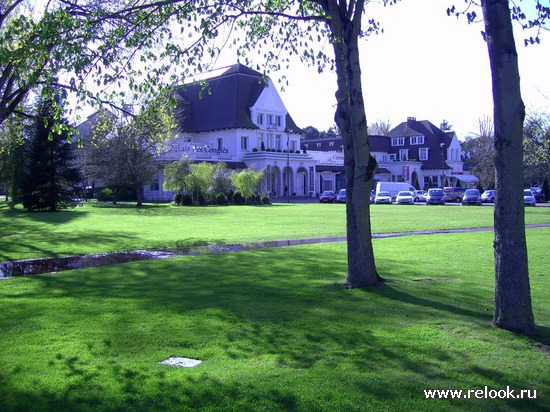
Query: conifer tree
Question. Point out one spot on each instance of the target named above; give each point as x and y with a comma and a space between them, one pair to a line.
52, 176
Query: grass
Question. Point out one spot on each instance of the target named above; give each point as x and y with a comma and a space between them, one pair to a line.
97, 228
275, 330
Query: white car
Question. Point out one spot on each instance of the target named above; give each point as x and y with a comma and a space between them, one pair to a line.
528, 198
404, 198
420, 196
383, 197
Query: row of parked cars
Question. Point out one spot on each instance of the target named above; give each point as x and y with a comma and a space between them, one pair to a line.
435, 196
438, 197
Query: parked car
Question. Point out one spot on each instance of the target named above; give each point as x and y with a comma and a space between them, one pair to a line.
528, 198
435, 197
539, 195
372, 196
328, 196
489, 196
471, 197
454, 194
383, 197
393, 188
341, 196
404, 198
420, 195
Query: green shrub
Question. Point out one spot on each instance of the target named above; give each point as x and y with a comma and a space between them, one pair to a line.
105, 195
221, 199
178, 198
266, 200
238, 198
186, 200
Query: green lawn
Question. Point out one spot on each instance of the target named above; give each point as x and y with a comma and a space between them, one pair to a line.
273, 327
96, 228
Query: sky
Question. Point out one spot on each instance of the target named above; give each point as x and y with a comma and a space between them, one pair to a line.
425, 65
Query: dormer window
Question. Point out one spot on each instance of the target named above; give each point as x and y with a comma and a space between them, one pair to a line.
398, 141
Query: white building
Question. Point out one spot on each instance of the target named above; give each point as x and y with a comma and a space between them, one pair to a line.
240, 119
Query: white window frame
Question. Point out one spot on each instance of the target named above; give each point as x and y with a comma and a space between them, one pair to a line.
259, 118
423, 153
417, 140
398, 141
244, 143
278, 139
403, 154
393, 157
219, 141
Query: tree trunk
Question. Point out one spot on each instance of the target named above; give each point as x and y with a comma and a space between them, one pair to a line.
139, 200
359, 164
512, 292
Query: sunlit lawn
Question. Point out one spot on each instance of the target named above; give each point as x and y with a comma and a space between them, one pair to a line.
275, 331
274, 328
96, 228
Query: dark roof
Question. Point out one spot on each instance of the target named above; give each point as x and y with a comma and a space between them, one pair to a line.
433, 137
329, 168
223, 101
377, 144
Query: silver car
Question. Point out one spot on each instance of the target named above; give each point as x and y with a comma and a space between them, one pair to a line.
528, 198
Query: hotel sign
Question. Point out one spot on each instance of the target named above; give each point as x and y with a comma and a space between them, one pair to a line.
177, 150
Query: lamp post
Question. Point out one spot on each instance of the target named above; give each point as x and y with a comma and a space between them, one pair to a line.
442, 146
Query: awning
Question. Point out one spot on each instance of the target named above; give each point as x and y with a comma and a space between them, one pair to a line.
464, 178
329, 168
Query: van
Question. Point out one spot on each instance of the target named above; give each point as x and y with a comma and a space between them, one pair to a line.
393, 188
454, 194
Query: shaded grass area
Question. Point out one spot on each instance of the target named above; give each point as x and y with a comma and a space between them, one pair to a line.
99, 228
275, 330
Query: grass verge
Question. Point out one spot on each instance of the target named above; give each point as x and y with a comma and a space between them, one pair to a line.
275, 330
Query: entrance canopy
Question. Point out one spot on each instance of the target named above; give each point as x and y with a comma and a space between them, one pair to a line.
463, 178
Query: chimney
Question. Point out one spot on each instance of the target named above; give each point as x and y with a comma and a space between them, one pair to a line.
410, 121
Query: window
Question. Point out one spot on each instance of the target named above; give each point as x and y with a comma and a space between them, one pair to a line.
398, 141
393, 157
269, 119
260, 118
270, 140
404, 154
331, 144
220, 143
293, 145
244, 142
417, 140
318, 144
155, 186
278, 142
261, 142
423, 153
279, 120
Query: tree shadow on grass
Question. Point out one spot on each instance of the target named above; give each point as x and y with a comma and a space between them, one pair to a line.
284, 304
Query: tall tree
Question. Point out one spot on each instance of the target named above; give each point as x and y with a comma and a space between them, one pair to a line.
380, 127
52, 176
11, 156
123, 148
513, 310
536, 142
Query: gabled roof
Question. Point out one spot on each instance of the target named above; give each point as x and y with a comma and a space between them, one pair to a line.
224, 101
433, 138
